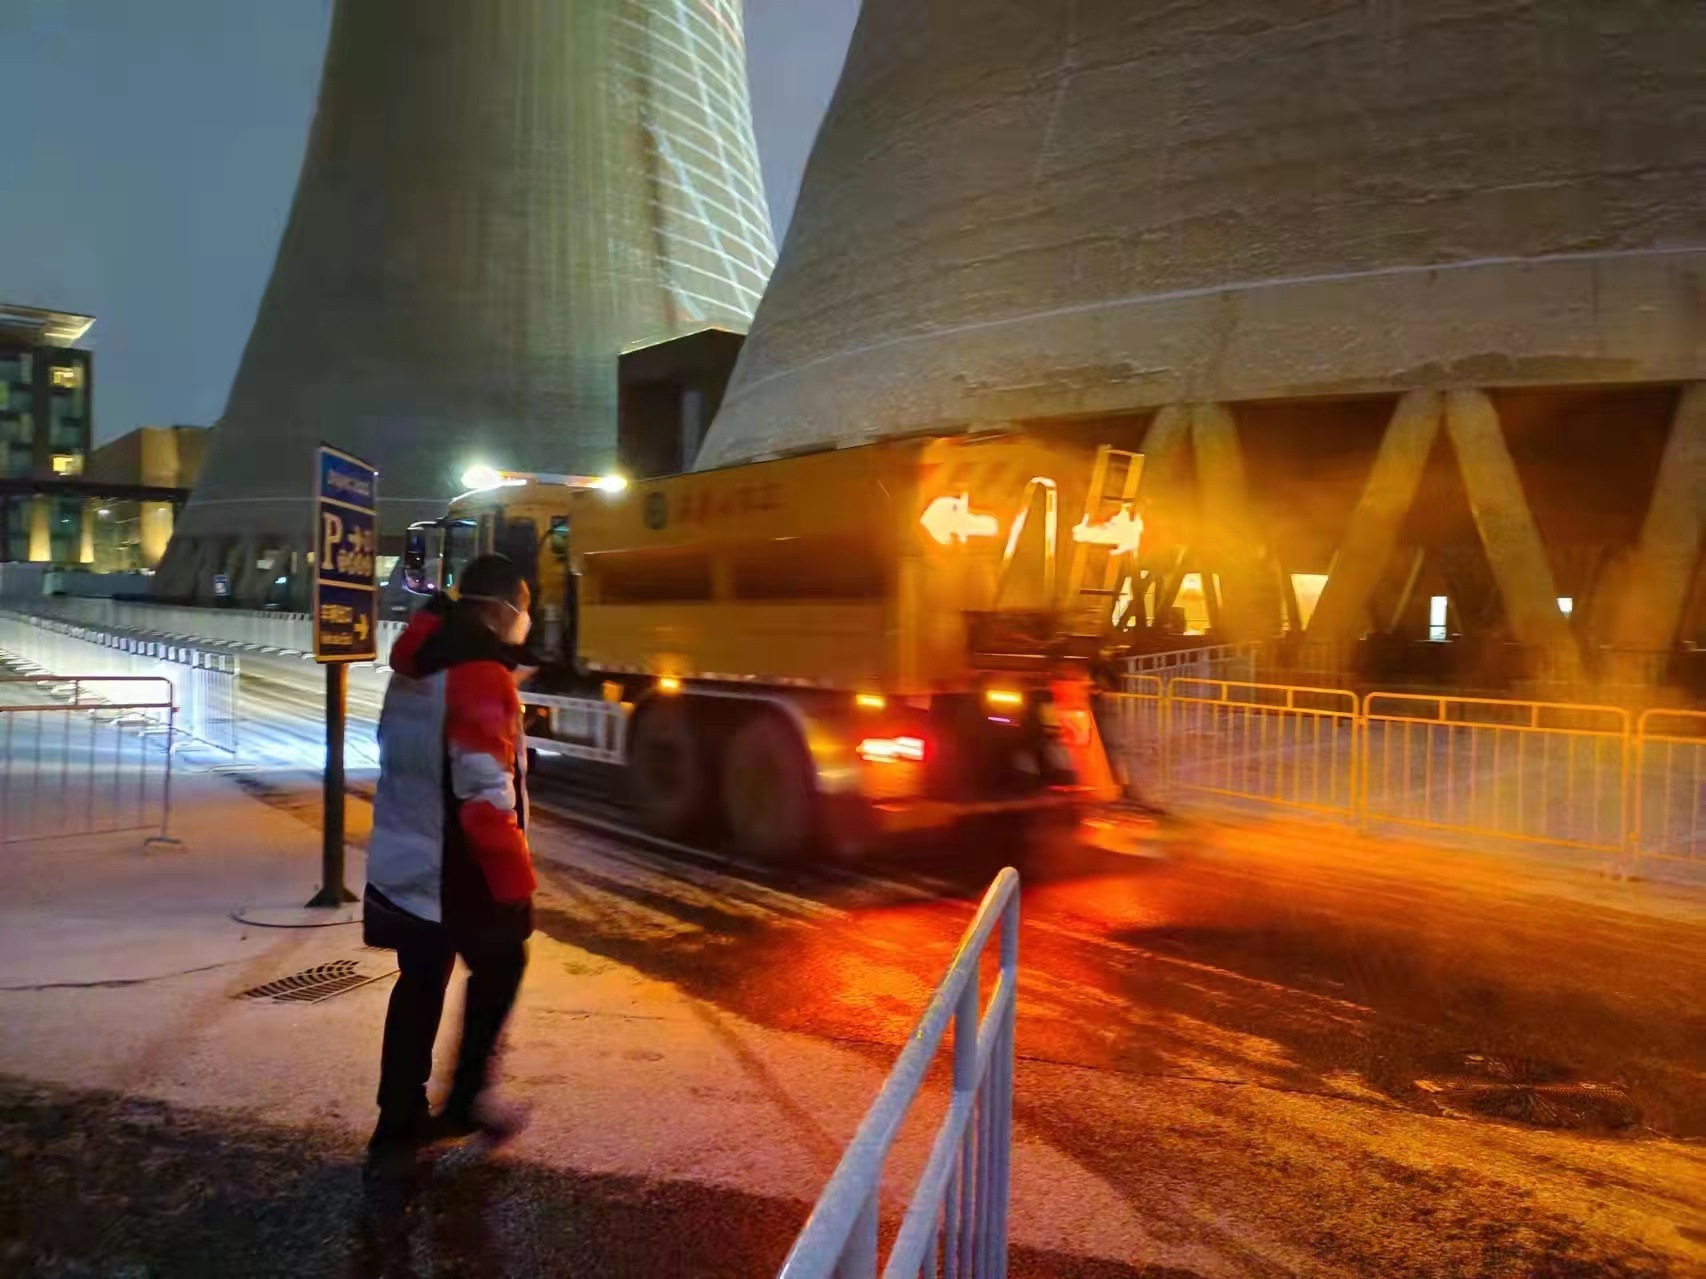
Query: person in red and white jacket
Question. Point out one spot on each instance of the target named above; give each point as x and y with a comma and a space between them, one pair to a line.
448, 867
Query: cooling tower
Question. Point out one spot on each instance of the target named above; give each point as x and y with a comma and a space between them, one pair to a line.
1017, 209
496, 198
1401, 301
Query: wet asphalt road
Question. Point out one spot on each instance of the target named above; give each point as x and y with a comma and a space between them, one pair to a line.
1287, 1055
1283, 1053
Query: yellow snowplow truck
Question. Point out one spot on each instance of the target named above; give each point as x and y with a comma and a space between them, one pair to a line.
822, 647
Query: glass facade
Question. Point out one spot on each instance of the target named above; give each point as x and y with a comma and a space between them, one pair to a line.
17, 528
45, 422
65, 524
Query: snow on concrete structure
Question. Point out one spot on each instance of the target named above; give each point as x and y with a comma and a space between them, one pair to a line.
496, 199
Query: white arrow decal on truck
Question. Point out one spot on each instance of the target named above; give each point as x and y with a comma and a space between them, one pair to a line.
950, 518
1123, 531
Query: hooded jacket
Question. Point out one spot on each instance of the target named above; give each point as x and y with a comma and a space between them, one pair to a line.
449, 841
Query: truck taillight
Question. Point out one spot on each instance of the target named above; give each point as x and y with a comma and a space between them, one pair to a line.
889, 750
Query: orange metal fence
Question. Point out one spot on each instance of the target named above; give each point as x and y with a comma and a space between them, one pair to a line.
1563, 774
1669, 767
1272, 743
1549, 772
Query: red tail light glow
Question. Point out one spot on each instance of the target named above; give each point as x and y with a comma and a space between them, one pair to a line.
889, 750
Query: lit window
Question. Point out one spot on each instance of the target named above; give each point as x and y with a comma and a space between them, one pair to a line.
66, 375
68, 464
1192, 599
1566, 605
1436, 619
1307, 587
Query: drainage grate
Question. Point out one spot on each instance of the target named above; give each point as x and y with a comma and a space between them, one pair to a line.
312, 985
1525, 1091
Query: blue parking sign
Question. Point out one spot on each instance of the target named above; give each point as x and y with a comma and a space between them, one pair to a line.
346, 545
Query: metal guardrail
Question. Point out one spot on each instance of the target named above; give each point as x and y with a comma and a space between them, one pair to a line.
205, 685
1546, 772
1570, 775
1276, 743
1669, 802
1209, 661
956, 1223
1134, 729
84, 755
259, 630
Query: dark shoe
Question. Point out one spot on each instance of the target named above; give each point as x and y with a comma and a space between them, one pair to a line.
492, 1122
394, 1147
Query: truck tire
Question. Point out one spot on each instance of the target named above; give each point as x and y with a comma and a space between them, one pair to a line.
666, 773
769, 799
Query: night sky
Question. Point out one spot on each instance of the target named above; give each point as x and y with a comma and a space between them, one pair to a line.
154, 147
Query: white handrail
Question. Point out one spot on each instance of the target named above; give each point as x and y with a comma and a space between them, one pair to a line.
959, 1205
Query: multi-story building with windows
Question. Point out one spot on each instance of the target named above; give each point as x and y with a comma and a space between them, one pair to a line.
143, 478
46, 414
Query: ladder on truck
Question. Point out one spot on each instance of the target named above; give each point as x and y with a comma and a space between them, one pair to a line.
1105, 542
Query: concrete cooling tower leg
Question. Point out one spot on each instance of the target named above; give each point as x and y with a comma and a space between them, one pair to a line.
1661, 573
1205, 512
1342, 612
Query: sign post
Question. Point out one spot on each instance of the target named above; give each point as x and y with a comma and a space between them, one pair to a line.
346, 624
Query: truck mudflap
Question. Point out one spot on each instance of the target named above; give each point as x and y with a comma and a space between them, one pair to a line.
1080, 737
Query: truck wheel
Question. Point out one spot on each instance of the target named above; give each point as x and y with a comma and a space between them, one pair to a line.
666, 777
769, 801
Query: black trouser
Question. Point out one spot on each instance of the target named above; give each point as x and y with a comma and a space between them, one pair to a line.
495, 957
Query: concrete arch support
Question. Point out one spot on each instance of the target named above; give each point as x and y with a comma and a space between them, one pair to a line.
1655, 592
1249, 599
1508, 531
1504, 523
1341, 615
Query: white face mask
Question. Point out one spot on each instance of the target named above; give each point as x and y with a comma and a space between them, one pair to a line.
519, 626
519, 623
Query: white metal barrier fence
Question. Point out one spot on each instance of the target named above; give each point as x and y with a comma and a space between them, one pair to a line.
204, 684
1535, 771
1564, 774
956, 1223
1134, 728
1210, 661
255, 629
1669, 766
1272, 743
84, 755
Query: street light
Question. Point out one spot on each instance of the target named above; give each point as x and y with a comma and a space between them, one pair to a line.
482, 477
